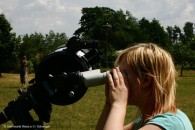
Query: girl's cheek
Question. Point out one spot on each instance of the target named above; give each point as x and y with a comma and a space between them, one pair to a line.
128, 82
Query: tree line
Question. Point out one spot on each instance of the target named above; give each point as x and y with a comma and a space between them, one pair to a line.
115, 30
34, 46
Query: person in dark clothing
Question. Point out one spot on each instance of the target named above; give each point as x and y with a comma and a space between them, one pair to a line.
23, 71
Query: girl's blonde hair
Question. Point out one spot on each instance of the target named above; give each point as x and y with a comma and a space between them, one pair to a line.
149, 59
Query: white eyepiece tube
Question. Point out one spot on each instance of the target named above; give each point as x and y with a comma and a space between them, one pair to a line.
94, 78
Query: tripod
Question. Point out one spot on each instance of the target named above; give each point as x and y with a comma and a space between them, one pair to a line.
52, 84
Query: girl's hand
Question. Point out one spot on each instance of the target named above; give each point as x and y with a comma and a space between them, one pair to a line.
116, 89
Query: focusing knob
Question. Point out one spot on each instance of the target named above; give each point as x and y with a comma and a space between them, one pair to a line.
71, 93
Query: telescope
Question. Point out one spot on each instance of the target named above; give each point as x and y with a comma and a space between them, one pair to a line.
62, 78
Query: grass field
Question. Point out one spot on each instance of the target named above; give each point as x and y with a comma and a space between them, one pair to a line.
84, 114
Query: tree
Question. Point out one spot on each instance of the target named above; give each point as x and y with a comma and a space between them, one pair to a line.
7, 45
32, 46
153, 32
189, 33
127, 31
36, 46
92, 22
190, 40
182, 55
115, 29
54, 40
97, 23
123, 27
144, 26
182, 45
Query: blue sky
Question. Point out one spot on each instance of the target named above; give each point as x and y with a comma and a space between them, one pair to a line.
29, 16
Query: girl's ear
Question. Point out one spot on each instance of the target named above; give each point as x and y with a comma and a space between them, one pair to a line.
147, 81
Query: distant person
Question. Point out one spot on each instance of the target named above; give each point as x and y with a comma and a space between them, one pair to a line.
145, 77
23, 71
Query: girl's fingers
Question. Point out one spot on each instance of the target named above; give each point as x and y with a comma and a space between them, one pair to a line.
110, 81
115, 77
123, 77
120, 76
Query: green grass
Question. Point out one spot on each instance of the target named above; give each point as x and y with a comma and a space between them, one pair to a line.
185, 97
83, 115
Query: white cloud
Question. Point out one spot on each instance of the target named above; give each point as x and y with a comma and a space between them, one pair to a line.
188, 10
28, 16
1, 11
54, 5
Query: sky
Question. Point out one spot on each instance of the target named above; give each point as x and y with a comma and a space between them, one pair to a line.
62, 16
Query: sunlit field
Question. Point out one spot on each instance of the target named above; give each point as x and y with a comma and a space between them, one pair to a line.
83, 115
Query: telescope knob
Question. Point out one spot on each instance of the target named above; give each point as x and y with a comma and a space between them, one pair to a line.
71, 94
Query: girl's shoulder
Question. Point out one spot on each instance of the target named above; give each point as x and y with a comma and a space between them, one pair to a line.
168, 121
